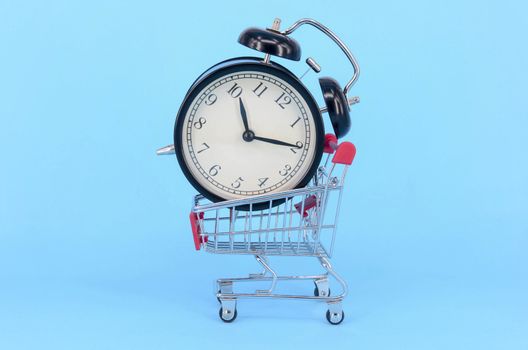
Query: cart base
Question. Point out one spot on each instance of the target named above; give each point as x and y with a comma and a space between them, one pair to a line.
228, 298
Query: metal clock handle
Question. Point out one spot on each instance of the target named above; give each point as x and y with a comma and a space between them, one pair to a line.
339, 43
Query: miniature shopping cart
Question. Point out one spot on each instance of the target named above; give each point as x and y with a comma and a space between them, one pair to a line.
299, 222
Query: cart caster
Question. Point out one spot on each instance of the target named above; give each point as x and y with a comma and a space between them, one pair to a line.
228, 315
316, 292
334, 318
321, 288
225, 287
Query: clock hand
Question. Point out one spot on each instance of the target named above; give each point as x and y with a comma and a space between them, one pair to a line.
249, 135
275, 142
243, 115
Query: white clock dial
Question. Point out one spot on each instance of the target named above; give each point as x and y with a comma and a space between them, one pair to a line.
274, 152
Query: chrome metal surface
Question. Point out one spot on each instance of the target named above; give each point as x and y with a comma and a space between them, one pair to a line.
276, 24
322, 286
300, 222
224, 285
264, 262
304, 74
314, 65
163, 151
303, 225
335, 314
351, 101
336, 39
275, 27
228, 310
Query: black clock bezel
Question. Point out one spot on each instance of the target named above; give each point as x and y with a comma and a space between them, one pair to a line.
246, 64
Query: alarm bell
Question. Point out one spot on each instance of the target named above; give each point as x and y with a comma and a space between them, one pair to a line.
271, 42
336, 106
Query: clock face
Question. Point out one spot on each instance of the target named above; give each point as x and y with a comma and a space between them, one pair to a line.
248, 132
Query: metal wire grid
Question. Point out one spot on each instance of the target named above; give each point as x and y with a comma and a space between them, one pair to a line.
297, 227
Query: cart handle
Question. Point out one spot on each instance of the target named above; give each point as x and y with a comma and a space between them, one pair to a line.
345, 153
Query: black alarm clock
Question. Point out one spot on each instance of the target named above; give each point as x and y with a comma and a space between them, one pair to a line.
248, 126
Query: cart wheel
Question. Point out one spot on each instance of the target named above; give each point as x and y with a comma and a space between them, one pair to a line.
334, 317
228, 316
316, 292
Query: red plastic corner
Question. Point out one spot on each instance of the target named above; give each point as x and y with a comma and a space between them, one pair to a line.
345, 153
309, 203
195, 227
330, 143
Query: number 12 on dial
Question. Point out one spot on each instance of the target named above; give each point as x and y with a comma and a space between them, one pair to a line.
248, 128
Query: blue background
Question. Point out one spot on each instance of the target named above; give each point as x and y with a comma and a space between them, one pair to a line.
95, 246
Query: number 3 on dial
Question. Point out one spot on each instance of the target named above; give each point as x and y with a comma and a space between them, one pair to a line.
248, 128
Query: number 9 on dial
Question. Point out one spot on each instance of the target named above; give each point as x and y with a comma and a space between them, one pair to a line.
248, 128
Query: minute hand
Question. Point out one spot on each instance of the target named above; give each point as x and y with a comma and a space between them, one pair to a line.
276, 142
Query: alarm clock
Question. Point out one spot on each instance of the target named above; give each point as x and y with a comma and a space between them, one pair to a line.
248, 126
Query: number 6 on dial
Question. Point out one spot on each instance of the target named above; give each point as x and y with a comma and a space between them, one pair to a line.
247, 127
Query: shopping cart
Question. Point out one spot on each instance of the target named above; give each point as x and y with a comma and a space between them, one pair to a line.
299, 222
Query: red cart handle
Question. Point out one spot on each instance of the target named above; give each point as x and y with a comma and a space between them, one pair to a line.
345, 153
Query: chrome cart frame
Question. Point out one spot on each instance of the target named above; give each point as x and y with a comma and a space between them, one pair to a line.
299, 222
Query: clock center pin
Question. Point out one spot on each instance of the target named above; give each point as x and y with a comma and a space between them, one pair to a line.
248, 136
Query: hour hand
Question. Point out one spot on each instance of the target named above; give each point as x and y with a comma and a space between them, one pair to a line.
276, 142
243, 114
